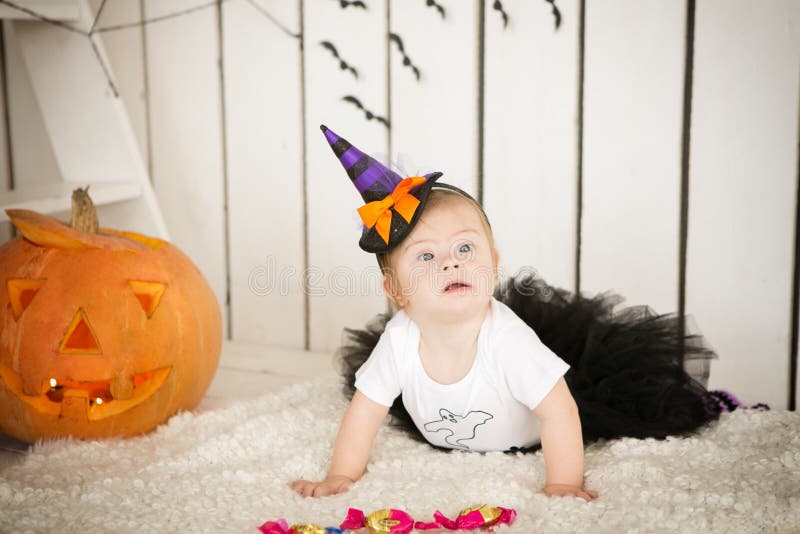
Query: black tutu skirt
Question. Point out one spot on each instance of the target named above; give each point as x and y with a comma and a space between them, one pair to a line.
632, 372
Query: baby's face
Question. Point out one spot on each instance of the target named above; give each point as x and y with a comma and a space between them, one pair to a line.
445, 269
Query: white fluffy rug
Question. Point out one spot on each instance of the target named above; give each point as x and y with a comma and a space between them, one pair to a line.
229, 470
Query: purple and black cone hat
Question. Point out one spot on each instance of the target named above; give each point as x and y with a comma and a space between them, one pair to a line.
393, 204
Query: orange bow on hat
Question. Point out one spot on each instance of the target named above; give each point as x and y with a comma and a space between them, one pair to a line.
378, 214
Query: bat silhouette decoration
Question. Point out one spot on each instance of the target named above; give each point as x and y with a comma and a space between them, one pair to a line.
556, 12
438, 7
498, 6
370, 115
357, 3
393, 37
342, 63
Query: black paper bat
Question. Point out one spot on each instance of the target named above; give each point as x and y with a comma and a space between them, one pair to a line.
438, 7
498, 6
357, 3
370, 115
342, 63
556, 12
393, 37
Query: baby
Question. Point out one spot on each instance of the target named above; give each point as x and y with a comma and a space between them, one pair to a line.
472, 375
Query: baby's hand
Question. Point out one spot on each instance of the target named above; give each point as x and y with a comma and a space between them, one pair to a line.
562, 490
330, 486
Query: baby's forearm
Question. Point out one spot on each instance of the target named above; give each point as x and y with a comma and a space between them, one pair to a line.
562, 446
360, 424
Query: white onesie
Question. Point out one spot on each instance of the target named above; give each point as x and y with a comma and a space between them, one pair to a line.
487, 410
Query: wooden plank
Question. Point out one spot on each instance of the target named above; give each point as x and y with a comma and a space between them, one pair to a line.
186, 133
6, 232
265, 169
435, 119
743, 179
32, 158
531, 105
125, 51
633, 101
344, 287
247, 371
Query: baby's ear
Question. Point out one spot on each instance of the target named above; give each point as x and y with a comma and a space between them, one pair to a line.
496, 259
389, 287
392, 289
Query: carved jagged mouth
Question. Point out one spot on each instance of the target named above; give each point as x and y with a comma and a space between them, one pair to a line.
91, 400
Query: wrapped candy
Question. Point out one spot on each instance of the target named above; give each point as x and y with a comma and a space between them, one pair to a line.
383, 521
313, 529
471, 518
282, 527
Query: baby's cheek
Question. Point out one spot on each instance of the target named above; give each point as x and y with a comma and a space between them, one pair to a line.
484, 277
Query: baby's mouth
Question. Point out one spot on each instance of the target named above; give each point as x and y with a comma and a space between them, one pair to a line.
455, 287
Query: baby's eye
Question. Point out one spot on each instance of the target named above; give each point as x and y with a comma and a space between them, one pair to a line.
425, 256
465, 248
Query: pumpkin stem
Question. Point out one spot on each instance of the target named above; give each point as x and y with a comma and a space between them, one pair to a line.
84, 214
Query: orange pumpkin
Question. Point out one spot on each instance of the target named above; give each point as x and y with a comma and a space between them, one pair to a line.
101, 334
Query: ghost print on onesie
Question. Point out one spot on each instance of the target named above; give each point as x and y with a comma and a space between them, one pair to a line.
490, 409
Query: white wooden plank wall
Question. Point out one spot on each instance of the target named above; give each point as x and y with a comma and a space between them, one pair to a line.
633, 101
125, 51
530, 143
253, 138
344, 282
263, 104
434, 120
186, 133
743, 194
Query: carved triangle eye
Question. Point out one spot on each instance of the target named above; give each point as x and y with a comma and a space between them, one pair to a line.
21, 293
149, 294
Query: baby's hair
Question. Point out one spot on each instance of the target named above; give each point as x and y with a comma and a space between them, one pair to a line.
438, 196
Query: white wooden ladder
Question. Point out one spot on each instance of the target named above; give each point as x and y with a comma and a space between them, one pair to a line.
87, 125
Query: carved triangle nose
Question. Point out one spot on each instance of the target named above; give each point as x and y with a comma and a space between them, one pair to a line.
80, 338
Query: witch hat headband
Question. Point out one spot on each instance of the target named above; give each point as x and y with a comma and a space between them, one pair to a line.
392, 204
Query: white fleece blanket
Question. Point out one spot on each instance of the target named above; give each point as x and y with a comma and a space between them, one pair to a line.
229, 469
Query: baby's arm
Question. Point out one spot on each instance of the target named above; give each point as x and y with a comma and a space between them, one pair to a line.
360, 424
562, 444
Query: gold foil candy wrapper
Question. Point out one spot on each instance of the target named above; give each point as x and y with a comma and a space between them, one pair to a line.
307, 529
388, 521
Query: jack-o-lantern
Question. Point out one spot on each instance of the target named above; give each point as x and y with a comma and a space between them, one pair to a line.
102, 332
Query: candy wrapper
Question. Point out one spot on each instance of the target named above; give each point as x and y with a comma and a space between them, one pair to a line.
472, 518
383, 521
282, 527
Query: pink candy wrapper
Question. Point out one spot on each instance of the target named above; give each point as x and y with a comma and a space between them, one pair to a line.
475, 517
275, 527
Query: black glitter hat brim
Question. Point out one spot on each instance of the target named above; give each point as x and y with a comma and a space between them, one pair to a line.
372, 242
